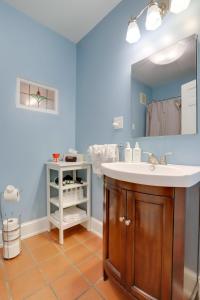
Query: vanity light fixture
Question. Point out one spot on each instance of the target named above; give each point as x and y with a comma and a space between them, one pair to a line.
154, 18
156, 10
133, 32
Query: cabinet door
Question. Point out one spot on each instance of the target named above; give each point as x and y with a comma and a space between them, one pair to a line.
114, 232
149, 246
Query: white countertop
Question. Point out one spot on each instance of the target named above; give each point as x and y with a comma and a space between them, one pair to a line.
158, 175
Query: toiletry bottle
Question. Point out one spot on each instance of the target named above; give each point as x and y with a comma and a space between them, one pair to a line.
128, 153
137, 153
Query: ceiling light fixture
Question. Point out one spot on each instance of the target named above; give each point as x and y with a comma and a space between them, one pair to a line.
169, 55
156, 10
178, 6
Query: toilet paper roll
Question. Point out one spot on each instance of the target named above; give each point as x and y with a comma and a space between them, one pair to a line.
11, 249
9, 236
10, 224
11, 193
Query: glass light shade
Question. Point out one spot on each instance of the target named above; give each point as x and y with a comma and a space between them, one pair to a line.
178, 6
169, 55
133, 32
153, 19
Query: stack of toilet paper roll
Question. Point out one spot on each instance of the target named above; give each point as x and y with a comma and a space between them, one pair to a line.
11, 226
11, 238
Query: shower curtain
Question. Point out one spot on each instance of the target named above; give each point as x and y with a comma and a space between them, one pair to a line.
164, 117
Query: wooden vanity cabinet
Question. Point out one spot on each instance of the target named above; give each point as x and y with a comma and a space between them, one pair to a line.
148, 248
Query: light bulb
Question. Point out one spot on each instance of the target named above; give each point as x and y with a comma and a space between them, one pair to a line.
178, 6
154, 19
133, 32
169, 54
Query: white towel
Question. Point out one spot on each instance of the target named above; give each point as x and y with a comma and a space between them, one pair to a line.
70, 214
101, 154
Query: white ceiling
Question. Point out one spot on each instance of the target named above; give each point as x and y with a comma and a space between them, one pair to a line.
71, 18
154, 75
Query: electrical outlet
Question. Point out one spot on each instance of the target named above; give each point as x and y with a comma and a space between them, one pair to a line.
118, 123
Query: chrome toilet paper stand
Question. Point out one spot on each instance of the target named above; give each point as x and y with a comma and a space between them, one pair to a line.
7, 241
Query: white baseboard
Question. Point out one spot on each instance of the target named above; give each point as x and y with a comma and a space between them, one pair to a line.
31, 228
37, 226
96, 226
34, 227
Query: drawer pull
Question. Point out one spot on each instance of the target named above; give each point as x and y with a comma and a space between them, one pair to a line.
121, 219
127, 222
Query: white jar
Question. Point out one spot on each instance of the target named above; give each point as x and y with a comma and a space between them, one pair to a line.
128, 153
81, 194
137, 153
75, 194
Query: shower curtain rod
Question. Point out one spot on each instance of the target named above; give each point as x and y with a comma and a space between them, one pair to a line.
167, 99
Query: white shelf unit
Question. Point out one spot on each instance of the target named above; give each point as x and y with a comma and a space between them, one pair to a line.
61, 201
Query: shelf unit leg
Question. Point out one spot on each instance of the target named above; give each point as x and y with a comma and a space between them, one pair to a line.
61, 236
49, 227
48, 198
88, 226
60, 206
89, 198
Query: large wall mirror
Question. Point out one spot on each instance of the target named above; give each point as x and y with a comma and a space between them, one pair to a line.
164, 91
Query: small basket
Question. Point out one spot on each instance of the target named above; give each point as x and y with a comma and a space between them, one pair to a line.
69, 158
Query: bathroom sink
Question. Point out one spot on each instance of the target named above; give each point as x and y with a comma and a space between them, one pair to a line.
158, 175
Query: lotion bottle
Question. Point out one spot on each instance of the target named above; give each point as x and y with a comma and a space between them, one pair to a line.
128, 153
137, 153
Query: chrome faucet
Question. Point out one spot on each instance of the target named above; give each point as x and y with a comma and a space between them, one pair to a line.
152, 159
163, 158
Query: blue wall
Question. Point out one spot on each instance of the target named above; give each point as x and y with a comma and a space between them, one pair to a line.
33, 52
138, 110
171, 89
104, 84
103, 78
168, 90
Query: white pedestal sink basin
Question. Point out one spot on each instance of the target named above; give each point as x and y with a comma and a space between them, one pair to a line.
160, 175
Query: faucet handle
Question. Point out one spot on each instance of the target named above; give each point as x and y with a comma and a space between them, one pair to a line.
163, 158
152, 159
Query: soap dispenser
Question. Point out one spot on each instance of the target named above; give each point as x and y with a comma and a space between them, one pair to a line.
128, 153
137, 153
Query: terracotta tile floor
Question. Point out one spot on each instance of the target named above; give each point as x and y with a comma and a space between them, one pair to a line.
46, 270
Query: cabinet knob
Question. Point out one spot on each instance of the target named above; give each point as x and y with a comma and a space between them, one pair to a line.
121, 219
127, 222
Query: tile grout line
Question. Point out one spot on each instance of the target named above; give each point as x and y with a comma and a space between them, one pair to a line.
61, 251
91, 285
73, 264
37, 266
